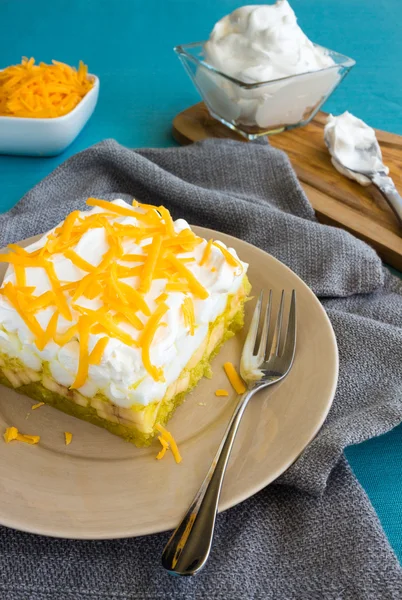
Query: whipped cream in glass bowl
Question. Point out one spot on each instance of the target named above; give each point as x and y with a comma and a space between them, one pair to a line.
258, 73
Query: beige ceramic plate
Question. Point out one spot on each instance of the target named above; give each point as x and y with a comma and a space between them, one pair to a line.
102, 487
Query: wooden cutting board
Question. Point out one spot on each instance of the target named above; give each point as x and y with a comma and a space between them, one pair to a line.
337, 200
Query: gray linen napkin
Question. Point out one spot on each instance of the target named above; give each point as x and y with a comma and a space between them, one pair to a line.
313, 534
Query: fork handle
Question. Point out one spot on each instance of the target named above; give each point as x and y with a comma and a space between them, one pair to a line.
389, 191
188, 549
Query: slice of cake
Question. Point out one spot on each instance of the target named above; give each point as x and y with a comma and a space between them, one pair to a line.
114, 315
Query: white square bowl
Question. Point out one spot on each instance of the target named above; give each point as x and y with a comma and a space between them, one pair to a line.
46, 137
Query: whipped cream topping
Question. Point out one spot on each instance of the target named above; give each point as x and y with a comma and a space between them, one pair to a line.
264, 43
348, 139
120, 375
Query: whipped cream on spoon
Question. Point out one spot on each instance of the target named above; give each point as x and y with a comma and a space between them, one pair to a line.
356, 154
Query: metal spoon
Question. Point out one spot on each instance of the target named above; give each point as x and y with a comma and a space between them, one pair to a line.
378, 177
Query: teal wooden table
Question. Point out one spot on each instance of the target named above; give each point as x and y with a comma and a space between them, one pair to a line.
128, 44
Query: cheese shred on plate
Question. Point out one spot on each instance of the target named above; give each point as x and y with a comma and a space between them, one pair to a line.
167, 441
234, 378
42, 91
38, 405
12, 434
221, 393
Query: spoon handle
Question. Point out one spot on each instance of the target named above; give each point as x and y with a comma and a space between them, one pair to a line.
390, 193
188, 549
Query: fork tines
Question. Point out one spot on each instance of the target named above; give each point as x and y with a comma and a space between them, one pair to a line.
280, 343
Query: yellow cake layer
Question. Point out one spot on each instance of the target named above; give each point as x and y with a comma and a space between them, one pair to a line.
137, 423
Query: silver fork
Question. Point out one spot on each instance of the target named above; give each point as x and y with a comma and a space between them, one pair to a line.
188, 549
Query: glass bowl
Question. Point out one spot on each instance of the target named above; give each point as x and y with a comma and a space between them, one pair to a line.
267, 107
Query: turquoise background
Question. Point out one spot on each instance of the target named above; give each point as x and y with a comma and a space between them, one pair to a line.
128, 44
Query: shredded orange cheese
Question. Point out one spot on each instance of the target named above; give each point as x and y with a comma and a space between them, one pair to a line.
186, 259
122, 299
234, 378
194, 285
68, 225
221, 393
123, 272
83, 361
147, 217
146, 339
206, 253
12, 434
50, 331
43, 301
134, 257
79, 262
177, 286
161, 298
18, 250
169, 439
68, 438
42, 91
100, 318
25, 290
150, 264
117, 285
231, 260
59, 295
185, 236
94, 290
168, 220
130, 318
20, 277
127, 312
165, 446
83, 285
188, 312
135, 298
96, 355
19, 259
38, 405
10, 293
63, 338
